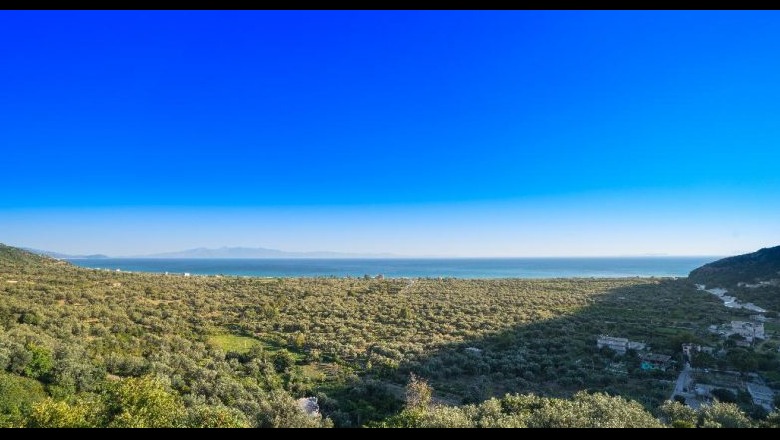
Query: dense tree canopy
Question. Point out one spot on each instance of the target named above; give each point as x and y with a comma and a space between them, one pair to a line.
81, 347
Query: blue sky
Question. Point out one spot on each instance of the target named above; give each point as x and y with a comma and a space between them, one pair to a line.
418, 133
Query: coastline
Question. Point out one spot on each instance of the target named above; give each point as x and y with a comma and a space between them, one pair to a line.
461, 268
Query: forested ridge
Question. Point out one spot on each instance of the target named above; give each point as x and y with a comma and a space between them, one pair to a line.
762, 265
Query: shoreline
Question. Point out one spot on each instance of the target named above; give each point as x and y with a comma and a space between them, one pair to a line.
378, 278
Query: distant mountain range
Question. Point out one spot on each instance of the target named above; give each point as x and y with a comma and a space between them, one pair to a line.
224, 252
762, 265
244, 252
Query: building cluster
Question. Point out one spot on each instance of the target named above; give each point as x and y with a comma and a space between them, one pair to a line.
748, 330
650, 361
760, 394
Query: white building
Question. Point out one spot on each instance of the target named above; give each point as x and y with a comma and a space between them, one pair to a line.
619, 345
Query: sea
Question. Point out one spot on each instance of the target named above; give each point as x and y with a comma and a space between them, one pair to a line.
610, 267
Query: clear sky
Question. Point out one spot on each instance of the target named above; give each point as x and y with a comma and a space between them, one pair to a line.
416, 133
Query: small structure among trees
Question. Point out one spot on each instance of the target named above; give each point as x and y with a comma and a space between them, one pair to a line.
618, 345
656, 362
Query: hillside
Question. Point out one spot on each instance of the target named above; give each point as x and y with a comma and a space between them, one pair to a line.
94, 348
762, 265
12, 258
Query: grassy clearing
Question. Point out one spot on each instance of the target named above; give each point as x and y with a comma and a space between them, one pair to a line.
243, 344
238, 344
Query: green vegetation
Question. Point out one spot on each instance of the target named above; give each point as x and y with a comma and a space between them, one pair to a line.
234, 343
529, 411
17, 395
82, 347
583, 410
762, 265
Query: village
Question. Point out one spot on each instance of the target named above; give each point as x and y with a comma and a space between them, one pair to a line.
699, 382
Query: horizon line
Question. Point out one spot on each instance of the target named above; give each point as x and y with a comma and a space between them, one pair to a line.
393, 257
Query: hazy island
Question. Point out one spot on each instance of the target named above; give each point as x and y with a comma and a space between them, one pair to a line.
93, 348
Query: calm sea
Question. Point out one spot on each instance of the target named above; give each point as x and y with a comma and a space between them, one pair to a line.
396, 267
